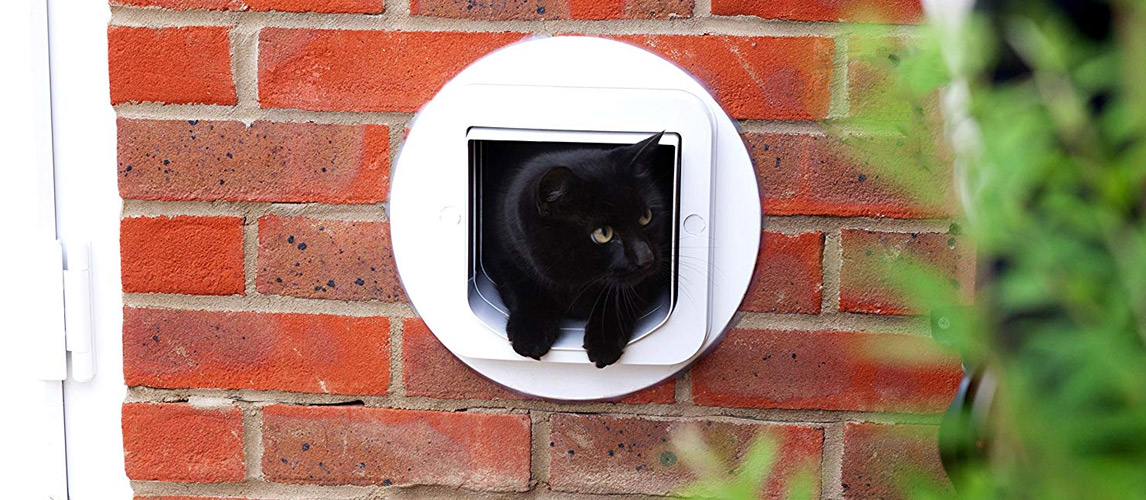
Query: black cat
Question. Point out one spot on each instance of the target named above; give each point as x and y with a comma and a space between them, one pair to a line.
581, 233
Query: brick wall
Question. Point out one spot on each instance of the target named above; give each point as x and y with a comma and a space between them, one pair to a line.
269, 348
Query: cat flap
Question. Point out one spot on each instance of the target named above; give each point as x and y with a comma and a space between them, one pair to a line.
588, 91
677, 329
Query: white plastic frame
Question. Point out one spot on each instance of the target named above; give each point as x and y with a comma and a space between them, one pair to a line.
572, 84
682, 331
635, 111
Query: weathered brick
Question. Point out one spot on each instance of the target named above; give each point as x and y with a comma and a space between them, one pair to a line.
880, 461
553, 9
430, 370
492, 9
347, 70
326, 6
868, 283
327, 259
250, 350
381, 446
801, 174
176, 442
636, 455
788, 276
630, 9
138, 497
664, 392
184, 254
881, 11
187, 65
266, 161
827, 371
876, 86
768, 78
183, 4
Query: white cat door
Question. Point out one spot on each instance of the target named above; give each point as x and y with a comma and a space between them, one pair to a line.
679, 332
572, 92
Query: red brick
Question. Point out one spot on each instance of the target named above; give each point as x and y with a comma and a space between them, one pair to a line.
184, 254
266, 161
381, 446
327, 259
327, 6
881, 461
188, 65
597, 9
137, 497
492, 9
827, 371
867, 283
630, 9
553, 9
877, 90
183, 4
430, 370
881, 11
664, 392
637, 455
788, 276
803, 174
346, 70
249, 350
769, 78
175, 442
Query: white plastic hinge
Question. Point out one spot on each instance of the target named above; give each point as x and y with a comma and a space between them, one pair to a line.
78, 311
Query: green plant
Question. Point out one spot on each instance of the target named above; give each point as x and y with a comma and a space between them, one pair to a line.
1055, 190
1053, 180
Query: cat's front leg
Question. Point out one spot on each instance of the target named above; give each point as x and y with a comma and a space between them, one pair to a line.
530, 333
532, 327
607, 332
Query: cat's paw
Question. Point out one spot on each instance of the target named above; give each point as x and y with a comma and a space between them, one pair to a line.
605, 341
605, 354
531, 338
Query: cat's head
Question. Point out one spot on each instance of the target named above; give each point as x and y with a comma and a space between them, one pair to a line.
609, 215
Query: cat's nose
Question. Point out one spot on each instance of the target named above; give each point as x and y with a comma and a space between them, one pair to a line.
643, 255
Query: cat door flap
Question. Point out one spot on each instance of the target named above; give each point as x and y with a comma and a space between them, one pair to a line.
491, 150
587, 115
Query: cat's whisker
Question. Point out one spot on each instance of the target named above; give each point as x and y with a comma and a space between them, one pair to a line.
713, 267
631, 298
617, 306
573, 302
593, 309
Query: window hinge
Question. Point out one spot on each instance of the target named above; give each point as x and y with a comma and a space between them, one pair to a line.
78, 311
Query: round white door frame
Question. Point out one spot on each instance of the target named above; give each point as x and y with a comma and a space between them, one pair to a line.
560, 84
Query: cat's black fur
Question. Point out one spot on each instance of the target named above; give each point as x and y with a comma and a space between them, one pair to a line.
547, 265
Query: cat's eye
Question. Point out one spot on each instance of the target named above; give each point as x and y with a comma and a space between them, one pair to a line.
603, 234
646, 217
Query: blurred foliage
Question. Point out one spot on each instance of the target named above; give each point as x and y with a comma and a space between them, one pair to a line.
1044, 111
747, 479
1051, 156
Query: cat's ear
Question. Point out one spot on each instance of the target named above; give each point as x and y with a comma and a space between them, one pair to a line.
554, 189
643, 152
